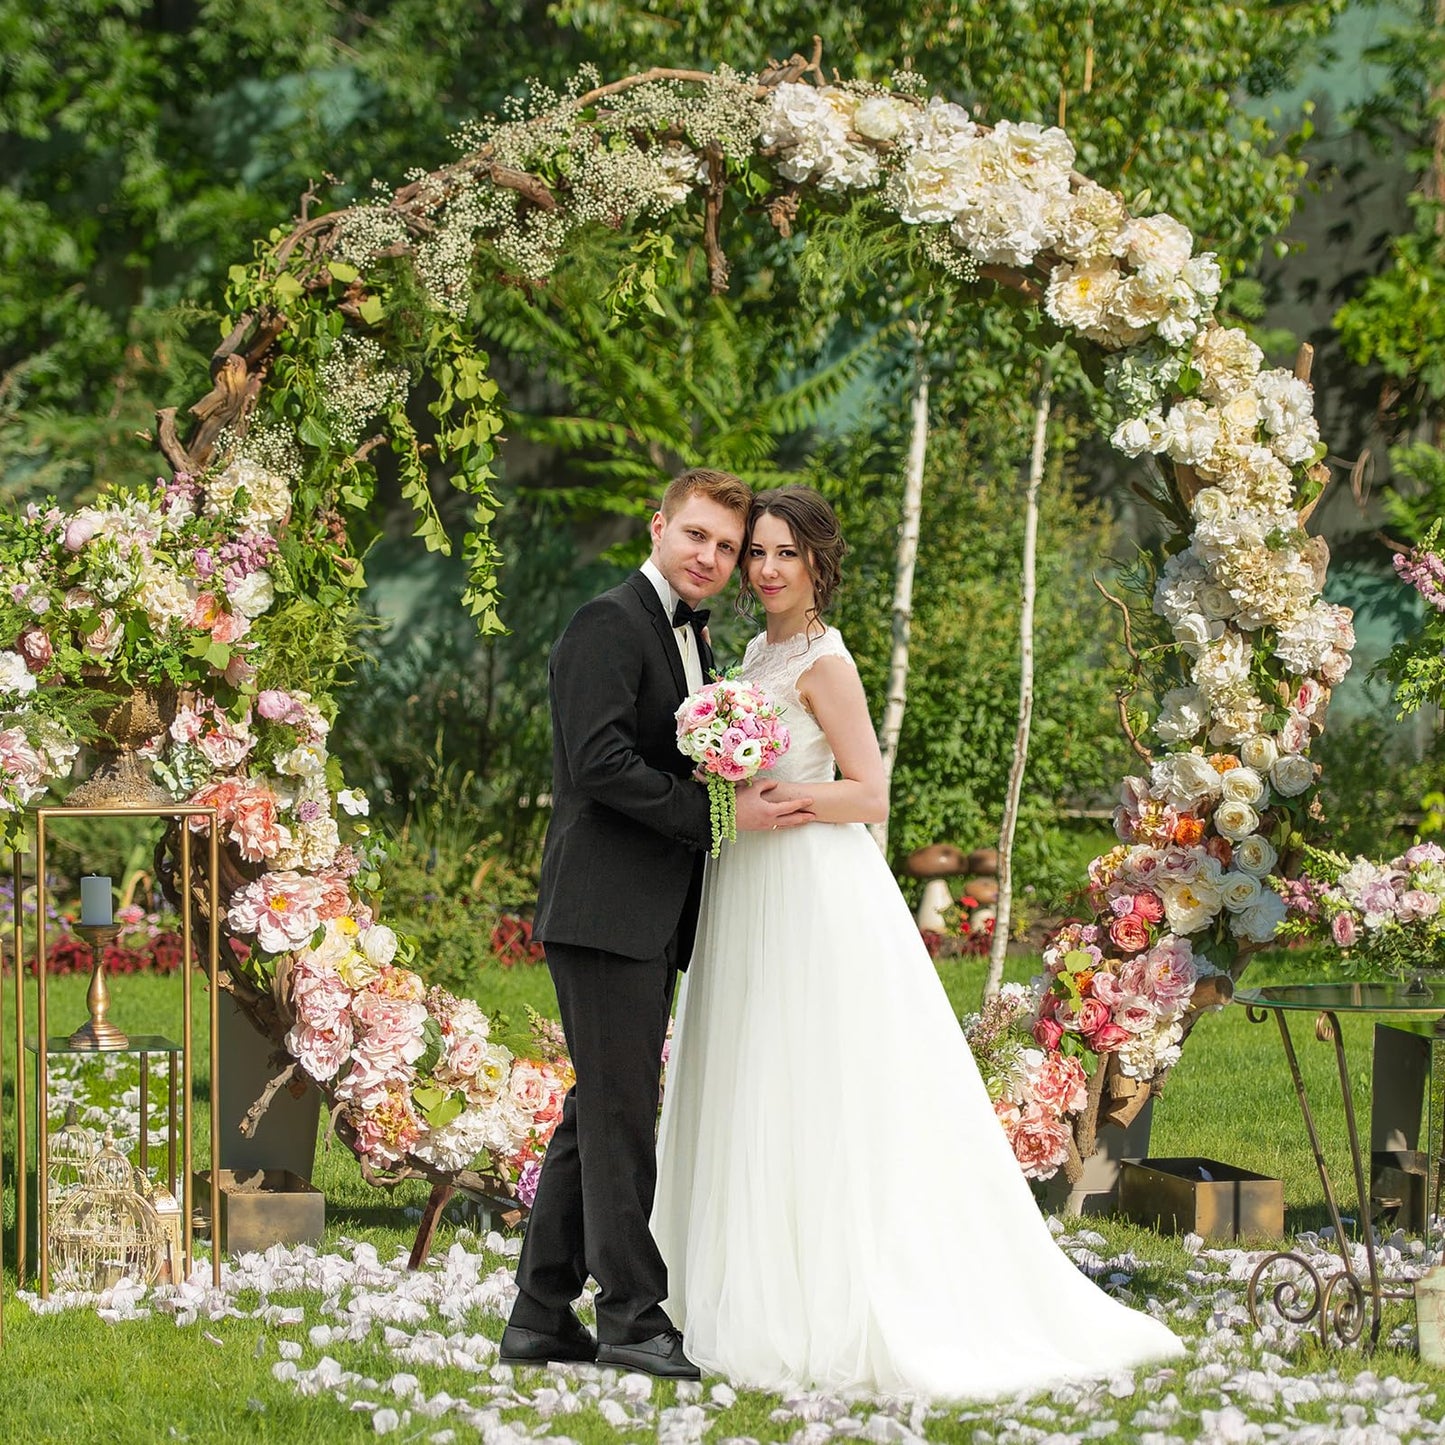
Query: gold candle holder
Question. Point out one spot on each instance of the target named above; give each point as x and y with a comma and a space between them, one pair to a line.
98, 1034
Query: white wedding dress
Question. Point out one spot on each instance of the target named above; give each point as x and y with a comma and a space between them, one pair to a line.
837, 1203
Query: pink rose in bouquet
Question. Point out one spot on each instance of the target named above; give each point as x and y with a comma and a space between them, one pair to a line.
320, 1053
732, 730
279, 908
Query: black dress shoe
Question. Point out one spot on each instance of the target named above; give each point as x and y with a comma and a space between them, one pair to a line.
532, 1347
661, 1355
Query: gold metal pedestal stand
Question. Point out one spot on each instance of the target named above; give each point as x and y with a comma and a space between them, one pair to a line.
98, 1034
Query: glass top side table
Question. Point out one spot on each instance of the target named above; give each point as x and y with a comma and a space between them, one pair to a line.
1340, 1303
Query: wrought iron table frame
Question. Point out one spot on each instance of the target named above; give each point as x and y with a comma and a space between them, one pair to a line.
1342, 1300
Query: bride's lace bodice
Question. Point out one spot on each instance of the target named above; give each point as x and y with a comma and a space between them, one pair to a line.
778, 668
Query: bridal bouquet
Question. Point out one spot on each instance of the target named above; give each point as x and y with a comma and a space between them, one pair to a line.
733, 731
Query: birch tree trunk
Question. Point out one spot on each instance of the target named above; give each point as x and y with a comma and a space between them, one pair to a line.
999, 946
906, 556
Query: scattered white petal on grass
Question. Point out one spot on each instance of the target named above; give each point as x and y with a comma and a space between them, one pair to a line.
723, 1396
289, 1349
385, 1421
615, 1413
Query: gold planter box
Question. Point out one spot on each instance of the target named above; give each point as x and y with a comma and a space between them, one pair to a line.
1174, 1196
262, 1207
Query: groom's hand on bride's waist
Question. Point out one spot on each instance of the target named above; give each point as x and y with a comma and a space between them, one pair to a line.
762, 806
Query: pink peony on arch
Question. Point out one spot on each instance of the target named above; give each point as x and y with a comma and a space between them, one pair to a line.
218, 592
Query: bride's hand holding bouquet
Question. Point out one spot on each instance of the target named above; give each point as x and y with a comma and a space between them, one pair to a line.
733, 731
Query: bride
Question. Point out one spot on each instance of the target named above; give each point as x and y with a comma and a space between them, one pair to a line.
837, 1203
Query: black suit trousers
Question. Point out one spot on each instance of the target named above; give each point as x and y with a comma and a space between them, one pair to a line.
594, 1197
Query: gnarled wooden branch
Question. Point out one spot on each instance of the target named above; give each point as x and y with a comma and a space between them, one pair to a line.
717, 262
1123, 694
1014, 280
253, 1115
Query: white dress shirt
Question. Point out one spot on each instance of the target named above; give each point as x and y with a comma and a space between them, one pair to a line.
686, 638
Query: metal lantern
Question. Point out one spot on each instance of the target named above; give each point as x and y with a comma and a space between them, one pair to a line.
105, 1230
69, 1153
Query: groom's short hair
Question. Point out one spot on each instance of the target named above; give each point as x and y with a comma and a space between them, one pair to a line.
720, 487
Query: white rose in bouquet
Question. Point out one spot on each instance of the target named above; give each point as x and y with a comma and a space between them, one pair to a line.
1158, 241
1193, 631
881, 117
1291, 774
1234, 820
1139, 434
1227, 360
1212, 505
1259, 922
1182, 715
1242, 785
1240, 891
1255, 855
1258, 752
1183, 780
378, 943
1190, 905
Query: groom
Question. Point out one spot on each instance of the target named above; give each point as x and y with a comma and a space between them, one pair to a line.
617, 908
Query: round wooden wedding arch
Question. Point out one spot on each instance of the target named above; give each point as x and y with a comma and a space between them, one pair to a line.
376, 296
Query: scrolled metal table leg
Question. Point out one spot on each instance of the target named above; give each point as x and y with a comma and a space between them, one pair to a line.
1367, 1228
1336, 1302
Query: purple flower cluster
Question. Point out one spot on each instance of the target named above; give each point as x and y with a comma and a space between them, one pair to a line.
1301, 895
1425, 572
250, 552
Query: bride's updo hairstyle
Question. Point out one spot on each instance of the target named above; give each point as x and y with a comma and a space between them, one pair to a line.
816, 534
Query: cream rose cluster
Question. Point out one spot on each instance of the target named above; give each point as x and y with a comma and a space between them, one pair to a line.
1009, 196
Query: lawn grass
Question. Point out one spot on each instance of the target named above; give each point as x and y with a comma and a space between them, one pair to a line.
73, 1377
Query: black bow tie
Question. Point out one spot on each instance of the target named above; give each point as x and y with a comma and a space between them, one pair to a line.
693, 617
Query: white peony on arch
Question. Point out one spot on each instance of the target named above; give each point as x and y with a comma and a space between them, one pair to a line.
216, 596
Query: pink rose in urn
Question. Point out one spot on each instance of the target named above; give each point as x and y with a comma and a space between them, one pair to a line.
319, 997
320, 1053
1040, 1142
1129, 934
1135, 1013
80, 529
538, 1092
255, 827
1108, 1038
1091, 1016
1048, 1033
1170, 977
1133, 977
1343, 929
1105, 988
1149, 905
1060, 1084
33, 645
465, 1055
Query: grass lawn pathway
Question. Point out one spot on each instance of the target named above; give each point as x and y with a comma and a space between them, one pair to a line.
343, 1343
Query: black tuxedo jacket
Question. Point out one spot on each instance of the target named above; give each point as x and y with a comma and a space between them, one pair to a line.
622, 864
